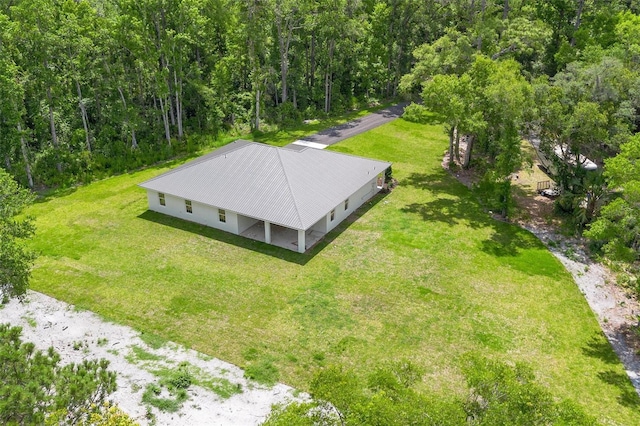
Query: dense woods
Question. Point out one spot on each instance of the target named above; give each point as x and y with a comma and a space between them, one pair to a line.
102, 85
92, 87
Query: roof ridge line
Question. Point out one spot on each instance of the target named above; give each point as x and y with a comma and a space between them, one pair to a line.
284, 171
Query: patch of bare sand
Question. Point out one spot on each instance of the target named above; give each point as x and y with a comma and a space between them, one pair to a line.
79, 335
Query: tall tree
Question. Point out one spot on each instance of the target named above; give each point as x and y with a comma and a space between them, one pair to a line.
15, 259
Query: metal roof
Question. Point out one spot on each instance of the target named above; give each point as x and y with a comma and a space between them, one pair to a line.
287, 187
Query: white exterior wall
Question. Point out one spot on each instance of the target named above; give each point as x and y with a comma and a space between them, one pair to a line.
356, 200
202, 214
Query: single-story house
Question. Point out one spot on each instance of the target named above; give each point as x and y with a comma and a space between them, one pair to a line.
286, 197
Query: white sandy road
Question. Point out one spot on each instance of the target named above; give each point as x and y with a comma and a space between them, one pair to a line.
79, 335
614, 308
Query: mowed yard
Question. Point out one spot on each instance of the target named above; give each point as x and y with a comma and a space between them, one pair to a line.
422, 274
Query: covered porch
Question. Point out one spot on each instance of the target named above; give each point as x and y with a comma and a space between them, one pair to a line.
288, 238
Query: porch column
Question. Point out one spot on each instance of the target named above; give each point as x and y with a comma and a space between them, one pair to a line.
267, 232
301, 241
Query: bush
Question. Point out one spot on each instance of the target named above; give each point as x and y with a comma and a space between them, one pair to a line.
417, 114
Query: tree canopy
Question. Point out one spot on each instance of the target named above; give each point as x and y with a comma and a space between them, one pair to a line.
36, 388
15, 258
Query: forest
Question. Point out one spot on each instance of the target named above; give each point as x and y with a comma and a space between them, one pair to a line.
91, 88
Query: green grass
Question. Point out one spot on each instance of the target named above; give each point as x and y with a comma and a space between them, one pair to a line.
284, 136
140, 354
187, 373
423, 274
170, 403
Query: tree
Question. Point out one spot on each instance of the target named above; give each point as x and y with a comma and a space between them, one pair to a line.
15, 259
451, 98
489, 103
504, 100
35, 386
617, 230
508, 395
499, 394
386, 398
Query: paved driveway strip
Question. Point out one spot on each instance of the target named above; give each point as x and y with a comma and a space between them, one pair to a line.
338, 133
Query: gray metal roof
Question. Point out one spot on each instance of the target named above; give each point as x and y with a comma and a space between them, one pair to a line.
286, 187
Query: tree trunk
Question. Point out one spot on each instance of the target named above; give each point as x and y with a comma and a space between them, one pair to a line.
452, 132
85, 120
178, 88
505, 10
52, 124
312, 59
257, 109
284, 64
576, 25
25, 156
328, 79
457, 147
467, 154
165, 65
134, 141
483, 8
165, 121
391, 36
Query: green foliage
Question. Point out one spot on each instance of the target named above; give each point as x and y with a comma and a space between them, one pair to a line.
488, 103
15, 258
186, 375
499, 394
617, 230
173, 382
108, 415
416, 113
502, 394
180, 378
35, 386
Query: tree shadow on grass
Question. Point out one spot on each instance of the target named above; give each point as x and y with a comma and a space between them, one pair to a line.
600, 348
509, 241
258, 246
454, 204
628, 396
451, 211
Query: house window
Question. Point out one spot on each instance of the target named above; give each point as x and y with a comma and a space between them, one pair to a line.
346, 204
333, 215
187, 204
222, 215
161, 199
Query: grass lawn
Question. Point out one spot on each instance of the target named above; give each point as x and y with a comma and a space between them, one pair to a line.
423, 274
